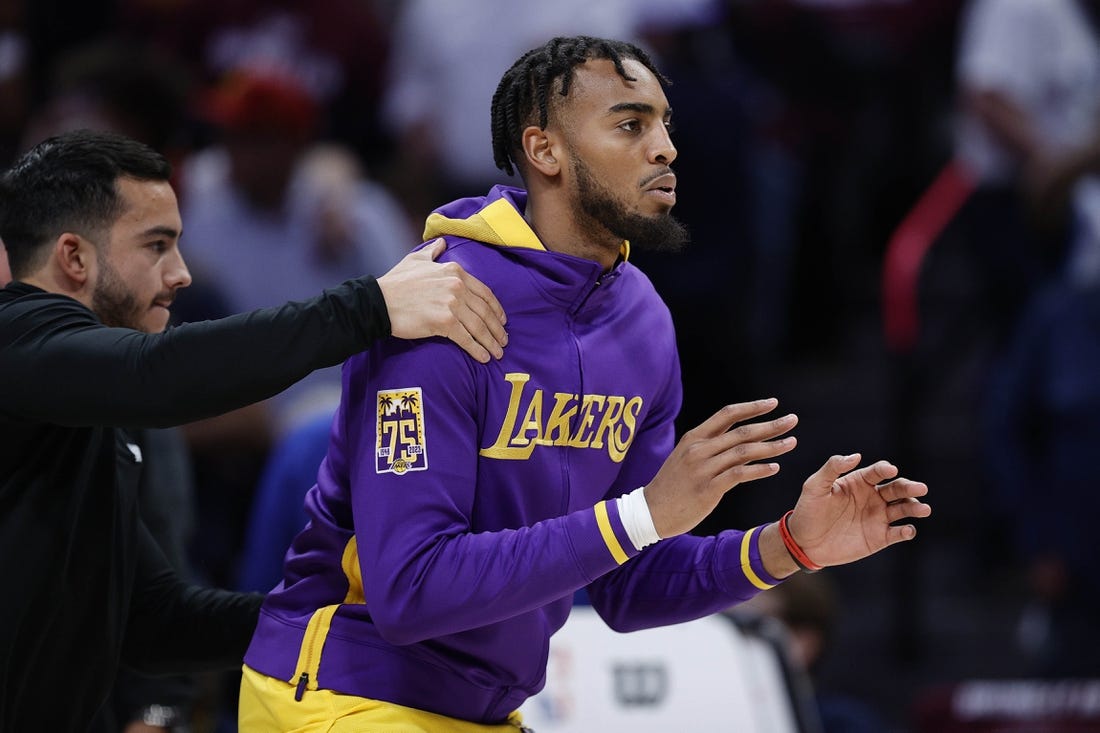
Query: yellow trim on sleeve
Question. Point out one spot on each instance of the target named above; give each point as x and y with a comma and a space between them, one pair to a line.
609, 538
746, 562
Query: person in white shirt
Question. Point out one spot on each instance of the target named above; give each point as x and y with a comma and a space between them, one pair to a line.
1029, 86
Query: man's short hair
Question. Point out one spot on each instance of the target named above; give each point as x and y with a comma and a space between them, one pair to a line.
68, 183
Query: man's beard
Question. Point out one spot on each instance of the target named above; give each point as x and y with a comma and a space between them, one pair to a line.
114, 303
659, 233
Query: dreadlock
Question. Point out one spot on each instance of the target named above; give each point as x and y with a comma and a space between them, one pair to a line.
526, 86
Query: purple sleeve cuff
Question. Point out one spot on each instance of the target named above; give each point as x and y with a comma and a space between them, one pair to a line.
600, 540
621, 547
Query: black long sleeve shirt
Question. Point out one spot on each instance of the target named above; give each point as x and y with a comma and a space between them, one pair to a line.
84, 584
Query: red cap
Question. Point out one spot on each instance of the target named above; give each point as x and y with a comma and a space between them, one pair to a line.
252, 102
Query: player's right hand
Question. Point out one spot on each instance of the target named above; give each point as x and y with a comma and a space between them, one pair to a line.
711, 459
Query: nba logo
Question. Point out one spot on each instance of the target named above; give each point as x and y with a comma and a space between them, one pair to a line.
400, 445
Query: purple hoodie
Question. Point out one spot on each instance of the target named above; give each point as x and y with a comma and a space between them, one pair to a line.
461, 504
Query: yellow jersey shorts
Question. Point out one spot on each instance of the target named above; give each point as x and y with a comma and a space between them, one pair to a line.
267, 705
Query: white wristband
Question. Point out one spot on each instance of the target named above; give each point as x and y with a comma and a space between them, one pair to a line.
637, 521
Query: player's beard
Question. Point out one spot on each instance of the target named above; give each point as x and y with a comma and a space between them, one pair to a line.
658, 233
114, 303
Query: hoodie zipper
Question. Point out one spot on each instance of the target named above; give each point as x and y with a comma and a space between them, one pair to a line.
300, 690
309, 659
600, 280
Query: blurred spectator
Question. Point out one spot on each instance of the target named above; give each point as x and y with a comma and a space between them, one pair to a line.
335, 49
278, 508
15, 79
1042, 424
273, 215
837, 88
440, 85
784, 112
107, 84
806, 605
1029, 93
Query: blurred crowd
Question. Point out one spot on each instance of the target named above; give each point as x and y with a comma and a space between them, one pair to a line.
310, 141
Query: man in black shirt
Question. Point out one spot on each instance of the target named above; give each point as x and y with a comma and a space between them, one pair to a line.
91, 227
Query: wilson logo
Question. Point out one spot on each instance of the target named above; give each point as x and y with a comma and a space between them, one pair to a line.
640, 685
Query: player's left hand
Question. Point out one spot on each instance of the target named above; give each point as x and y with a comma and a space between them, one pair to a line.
845, 514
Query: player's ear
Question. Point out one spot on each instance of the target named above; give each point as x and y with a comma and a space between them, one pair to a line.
75, 257
539, 150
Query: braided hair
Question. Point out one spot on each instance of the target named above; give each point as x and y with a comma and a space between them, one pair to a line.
525, 88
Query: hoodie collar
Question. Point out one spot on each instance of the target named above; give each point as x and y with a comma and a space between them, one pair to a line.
493, 219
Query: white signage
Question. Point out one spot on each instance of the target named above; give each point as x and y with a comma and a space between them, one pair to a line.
702, 675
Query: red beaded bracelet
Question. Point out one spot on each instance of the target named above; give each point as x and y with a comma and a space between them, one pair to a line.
800, 558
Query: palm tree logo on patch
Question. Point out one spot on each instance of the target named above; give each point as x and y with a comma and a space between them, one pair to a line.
400, 445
